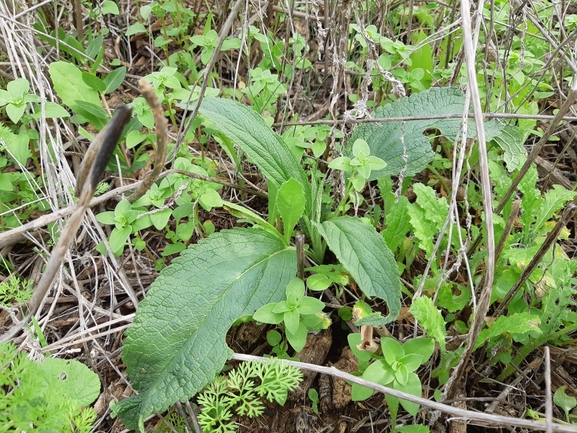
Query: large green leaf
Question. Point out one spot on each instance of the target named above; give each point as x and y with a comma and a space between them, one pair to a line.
402, 144
364, 253
74, 92
262, 145
177, 342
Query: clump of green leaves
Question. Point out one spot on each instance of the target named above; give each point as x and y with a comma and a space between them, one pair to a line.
45, 396
15, 289
358, 168
242, 392
299, 313
396, 369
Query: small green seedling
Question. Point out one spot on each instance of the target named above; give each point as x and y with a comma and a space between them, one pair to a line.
299, 314
360, 166
396, 369
15, 98
314, 398
278, 344
565, 402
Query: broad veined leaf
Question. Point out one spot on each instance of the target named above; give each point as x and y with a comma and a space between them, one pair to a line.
402, 145
176, 344
262, 145
70, 87
364, 253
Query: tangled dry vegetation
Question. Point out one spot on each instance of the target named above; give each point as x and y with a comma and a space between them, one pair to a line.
94, 297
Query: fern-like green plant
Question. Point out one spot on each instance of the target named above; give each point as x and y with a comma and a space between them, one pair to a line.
242, 393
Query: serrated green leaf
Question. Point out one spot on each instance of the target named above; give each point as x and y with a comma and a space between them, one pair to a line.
555, 199
531, 199
402, 145
264, 147
430, 318
372, 319
427, 216
518, 323
70, 88
364, 253
176, 344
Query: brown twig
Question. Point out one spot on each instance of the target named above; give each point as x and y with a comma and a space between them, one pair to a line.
161, 138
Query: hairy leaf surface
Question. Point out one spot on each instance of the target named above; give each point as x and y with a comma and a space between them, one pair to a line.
177, 342
402, 145
263, 146
364, 253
